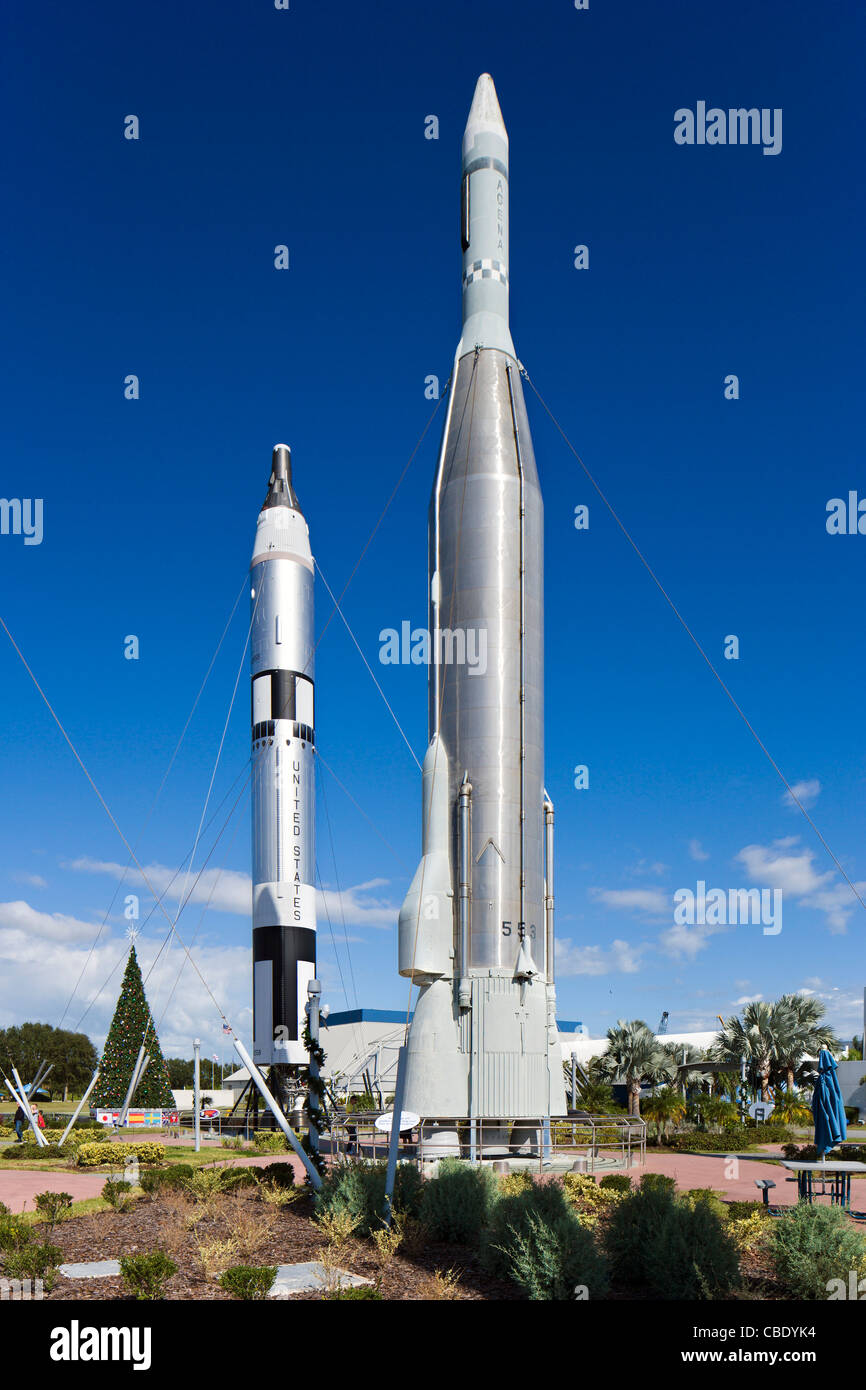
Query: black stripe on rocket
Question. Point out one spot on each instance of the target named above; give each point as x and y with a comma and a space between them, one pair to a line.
284, 947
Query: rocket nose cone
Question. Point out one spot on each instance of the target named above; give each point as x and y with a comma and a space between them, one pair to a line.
281, 493
485, 117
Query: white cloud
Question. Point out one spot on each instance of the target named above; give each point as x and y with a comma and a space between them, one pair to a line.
42, 956
646, 866
697, 851
777, 866
32, 880
618, 959
686, 942
19, 919
837, 903
785, 866
807, 794
748, 999
651, 900
228, 890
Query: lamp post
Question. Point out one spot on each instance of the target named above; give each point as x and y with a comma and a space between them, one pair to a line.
196, 1093
314, 994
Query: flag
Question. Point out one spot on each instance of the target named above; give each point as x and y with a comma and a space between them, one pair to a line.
227, 1029
215, 1057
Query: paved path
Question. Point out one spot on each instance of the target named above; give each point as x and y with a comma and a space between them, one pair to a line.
735, 1178
19, 1186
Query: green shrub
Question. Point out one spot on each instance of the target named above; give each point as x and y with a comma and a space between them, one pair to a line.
149, 1151
633, 1226
711, 1199
700, 1141
53, 1205
270, 1141
813, 1245
92, 1155
357, 1189
233, 1179
147, 1275
283, 1174
678, 1247
362, 1104
33, 1261
591, 1202
14, 1232
155, 1179
510, 1184
33, 1150
616, 1182
692, 1256
116, 1194
658, 1182
741, 1211
249, 1281
773, 1132
457, 1203
536, 1240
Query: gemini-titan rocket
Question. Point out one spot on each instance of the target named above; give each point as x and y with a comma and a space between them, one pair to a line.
476, 928
283, 790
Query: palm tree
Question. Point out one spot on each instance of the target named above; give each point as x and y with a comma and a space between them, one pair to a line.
634, 1056
804, 1035
714, 1112
666, 1106
757, 1037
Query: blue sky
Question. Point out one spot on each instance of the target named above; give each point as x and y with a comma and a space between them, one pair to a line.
155, 257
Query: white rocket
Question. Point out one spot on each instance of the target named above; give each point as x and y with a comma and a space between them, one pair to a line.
476, 928
283, 789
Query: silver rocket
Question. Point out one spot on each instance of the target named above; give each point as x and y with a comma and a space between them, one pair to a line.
283, 788
476, 928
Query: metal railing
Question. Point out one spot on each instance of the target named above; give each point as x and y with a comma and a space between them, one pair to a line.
587, 1143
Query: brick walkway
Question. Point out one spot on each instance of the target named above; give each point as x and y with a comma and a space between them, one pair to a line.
735, 1178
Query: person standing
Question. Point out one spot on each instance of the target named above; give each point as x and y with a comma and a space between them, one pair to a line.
18, 1122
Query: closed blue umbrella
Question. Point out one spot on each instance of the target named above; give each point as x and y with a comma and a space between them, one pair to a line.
828, 1111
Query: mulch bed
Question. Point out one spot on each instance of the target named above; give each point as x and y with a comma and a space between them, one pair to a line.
110, 1235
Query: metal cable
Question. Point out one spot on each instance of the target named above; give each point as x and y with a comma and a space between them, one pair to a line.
681, 620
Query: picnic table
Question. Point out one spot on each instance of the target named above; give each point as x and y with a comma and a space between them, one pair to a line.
836, 1169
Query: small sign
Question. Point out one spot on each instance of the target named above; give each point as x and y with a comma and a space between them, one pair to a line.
407, 1121
761, 1110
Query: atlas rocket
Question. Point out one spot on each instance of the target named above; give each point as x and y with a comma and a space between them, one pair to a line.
283, 787
476, 927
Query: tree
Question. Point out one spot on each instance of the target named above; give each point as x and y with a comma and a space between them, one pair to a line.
757, 1036
132, 1018
666, 1107
634, 1056
181, 1074
801, 1033
72, 1055
597, 1098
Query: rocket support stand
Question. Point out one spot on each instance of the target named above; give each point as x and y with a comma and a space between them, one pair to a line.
262, 1088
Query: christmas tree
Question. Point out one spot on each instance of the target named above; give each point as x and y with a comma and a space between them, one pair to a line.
125, 1037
